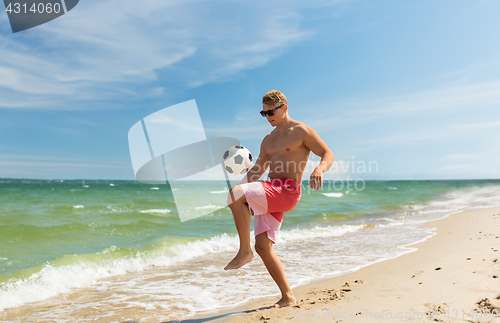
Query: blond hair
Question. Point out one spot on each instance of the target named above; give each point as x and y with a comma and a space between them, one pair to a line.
274, 97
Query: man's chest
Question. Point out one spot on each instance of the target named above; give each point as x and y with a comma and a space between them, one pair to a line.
283, 144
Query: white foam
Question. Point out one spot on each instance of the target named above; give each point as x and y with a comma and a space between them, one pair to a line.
318, 232
207, 207
156, 211
219, 192
154, 188
78, 206
333, 194
52, 281
456, 201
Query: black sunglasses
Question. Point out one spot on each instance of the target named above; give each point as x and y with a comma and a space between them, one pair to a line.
270, 112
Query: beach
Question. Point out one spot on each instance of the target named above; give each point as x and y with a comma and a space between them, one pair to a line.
101, 251
452, 276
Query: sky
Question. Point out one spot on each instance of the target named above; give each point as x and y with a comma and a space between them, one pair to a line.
411, 88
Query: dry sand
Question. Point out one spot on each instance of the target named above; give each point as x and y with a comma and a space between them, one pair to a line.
453, 276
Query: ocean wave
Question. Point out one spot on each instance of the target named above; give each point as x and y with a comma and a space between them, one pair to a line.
78, 206
156, 211
207, 207
333, 194
455, 201
318, 232
54, 280
219, 192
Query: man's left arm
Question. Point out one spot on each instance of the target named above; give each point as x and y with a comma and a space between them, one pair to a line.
319, 148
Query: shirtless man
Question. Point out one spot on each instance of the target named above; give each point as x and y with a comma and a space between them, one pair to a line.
285, 151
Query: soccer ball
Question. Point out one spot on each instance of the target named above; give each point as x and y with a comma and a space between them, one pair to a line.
237, 160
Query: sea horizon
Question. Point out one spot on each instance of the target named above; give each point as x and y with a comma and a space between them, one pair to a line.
220, 180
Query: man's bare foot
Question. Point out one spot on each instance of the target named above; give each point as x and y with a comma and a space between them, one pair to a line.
285, 301
240, 260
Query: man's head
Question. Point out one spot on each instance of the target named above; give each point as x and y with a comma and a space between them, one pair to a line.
274, 98
275, 102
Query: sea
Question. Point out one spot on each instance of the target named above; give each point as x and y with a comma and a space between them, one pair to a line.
117, 251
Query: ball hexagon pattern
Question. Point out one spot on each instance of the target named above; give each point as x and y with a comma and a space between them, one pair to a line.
237, 160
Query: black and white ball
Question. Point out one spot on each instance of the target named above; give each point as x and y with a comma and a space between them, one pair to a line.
237, 160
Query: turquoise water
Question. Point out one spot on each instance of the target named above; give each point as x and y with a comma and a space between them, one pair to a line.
84, 232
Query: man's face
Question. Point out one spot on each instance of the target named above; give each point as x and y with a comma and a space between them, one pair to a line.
278, 114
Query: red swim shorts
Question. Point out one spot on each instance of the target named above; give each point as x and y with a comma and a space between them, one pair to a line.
269, 200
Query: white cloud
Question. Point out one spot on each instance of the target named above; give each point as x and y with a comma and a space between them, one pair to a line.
475, 126
108, 49
461, 167
17, 159
461, 156
449, 97
404, 138
39, 166
415, 110
444, 98
58, 164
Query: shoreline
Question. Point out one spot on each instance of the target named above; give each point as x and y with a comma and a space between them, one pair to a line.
452, 276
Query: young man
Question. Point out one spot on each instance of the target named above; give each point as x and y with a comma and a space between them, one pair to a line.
285, 151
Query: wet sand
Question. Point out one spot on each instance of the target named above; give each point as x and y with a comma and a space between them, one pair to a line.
453, 276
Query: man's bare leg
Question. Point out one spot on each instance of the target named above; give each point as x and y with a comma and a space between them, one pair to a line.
238, 204
264, 247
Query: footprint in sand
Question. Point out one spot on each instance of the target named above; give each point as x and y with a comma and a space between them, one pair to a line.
486, 304
416, 274
435, 311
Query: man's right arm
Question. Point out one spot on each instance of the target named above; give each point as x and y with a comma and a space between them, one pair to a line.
260, 166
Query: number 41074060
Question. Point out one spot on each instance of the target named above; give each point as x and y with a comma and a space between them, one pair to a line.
35, 8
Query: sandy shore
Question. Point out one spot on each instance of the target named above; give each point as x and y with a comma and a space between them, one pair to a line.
453, 276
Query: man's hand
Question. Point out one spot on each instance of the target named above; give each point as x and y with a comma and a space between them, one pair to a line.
316, 180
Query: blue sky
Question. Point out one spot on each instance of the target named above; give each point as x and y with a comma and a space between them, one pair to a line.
411, 85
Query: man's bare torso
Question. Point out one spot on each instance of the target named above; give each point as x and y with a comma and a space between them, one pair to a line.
287, 153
